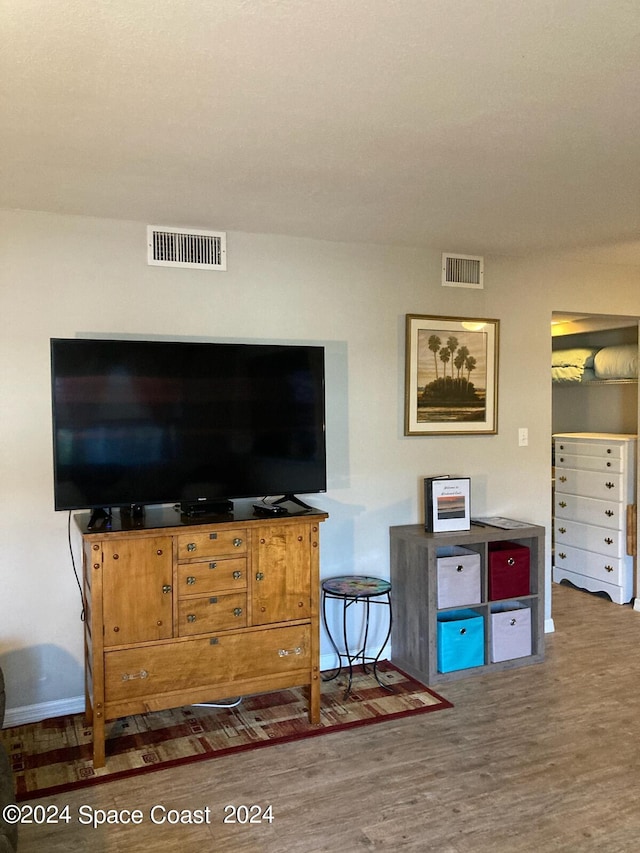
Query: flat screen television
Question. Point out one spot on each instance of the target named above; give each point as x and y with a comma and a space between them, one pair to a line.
138, 423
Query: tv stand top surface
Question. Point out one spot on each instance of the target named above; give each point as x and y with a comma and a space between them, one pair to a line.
160, 517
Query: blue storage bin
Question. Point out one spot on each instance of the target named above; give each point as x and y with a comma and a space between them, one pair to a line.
460, 640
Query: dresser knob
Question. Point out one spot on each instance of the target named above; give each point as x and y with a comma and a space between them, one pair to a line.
608, 568
562, 529
237, 611
191, 580
563, 479
610, 485
191, 617
562, 556
609, 512
259, 576
159, 552
563, 504
166, 588
237, 576
608, 540
237, 543
191, 546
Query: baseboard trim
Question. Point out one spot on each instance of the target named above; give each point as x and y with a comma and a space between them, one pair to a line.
24, 714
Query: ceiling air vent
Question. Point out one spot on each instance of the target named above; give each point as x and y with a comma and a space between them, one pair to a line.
186, 247
462, 270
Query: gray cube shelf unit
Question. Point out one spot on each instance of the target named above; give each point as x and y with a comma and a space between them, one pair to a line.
414, 592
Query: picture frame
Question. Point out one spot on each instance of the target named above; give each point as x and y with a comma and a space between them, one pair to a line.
447, 503
451, 375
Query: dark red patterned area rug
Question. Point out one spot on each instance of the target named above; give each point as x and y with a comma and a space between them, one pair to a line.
54, 756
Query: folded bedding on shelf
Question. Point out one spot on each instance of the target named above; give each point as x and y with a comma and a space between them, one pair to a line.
617, 362
573, 365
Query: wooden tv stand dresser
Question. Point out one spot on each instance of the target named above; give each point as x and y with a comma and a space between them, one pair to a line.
179, 612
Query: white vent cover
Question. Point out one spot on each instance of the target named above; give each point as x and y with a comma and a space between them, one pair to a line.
186, 247
462, 270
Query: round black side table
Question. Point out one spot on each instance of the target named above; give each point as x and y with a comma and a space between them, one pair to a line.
350, 589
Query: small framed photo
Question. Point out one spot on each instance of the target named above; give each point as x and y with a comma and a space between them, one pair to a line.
447, 504
451, 375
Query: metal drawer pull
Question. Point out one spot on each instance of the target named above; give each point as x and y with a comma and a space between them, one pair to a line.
130, 676
609, 512
191, 580
608, 568
213, 565
608, 540
459, 568
463, 631
237, 543
562, 529
608, 464
213, 600
513, 622
213, 536
284, 652
563, 504
237, 576
563, 479
562, 556
259, 576
610, 485
562, 458
166, 588
237, 611
511, 561
191, 546
191, 617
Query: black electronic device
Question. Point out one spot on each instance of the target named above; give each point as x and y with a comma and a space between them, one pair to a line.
138, 423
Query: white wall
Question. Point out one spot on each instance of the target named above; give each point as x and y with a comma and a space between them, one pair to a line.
62, 276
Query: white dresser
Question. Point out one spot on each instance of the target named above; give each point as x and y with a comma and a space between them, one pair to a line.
594, 485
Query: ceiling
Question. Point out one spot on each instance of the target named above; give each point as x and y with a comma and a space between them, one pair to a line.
474, 126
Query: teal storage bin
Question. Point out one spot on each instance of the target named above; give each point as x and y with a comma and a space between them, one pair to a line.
460, 640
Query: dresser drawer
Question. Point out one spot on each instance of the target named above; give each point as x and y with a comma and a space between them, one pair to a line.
603, 449
183, 665
589, 463
206, 614
212, 576
590, 484
603, 540
590, 511
219, 543
599, 566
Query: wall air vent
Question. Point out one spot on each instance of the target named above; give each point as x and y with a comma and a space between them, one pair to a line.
462, 270
186, 247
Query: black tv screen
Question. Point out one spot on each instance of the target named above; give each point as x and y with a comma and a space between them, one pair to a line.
154, 422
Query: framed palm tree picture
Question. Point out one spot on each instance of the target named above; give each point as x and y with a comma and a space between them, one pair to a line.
451, 375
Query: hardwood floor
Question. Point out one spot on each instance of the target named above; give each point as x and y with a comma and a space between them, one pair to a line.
543, 758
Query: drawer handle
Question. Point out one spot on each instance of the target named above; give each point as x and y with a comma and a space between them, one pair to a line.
608, 568
191, 617
259, 576
459, 568
608, 464
284, 652
562, 458
511, 561
237, 543
563, 479
213, 565
562, 529
562, 556
237, 576
609, 512
213, 599
191, 580
610, 485
237, 611
563, 504
191, 546
608, 450
166, 588
130, 676
463, 631
213, 536
608, 540
513, 622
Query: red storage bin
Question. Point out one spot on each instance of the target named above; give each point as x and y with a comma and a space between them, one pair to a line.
508, 570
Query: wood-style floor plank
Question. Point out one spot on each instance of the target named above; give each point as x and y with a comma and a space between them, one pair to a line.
543, 758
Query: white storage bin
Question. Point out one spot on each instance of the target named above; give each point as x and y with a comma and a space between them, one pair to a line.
458, 576
510, 631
